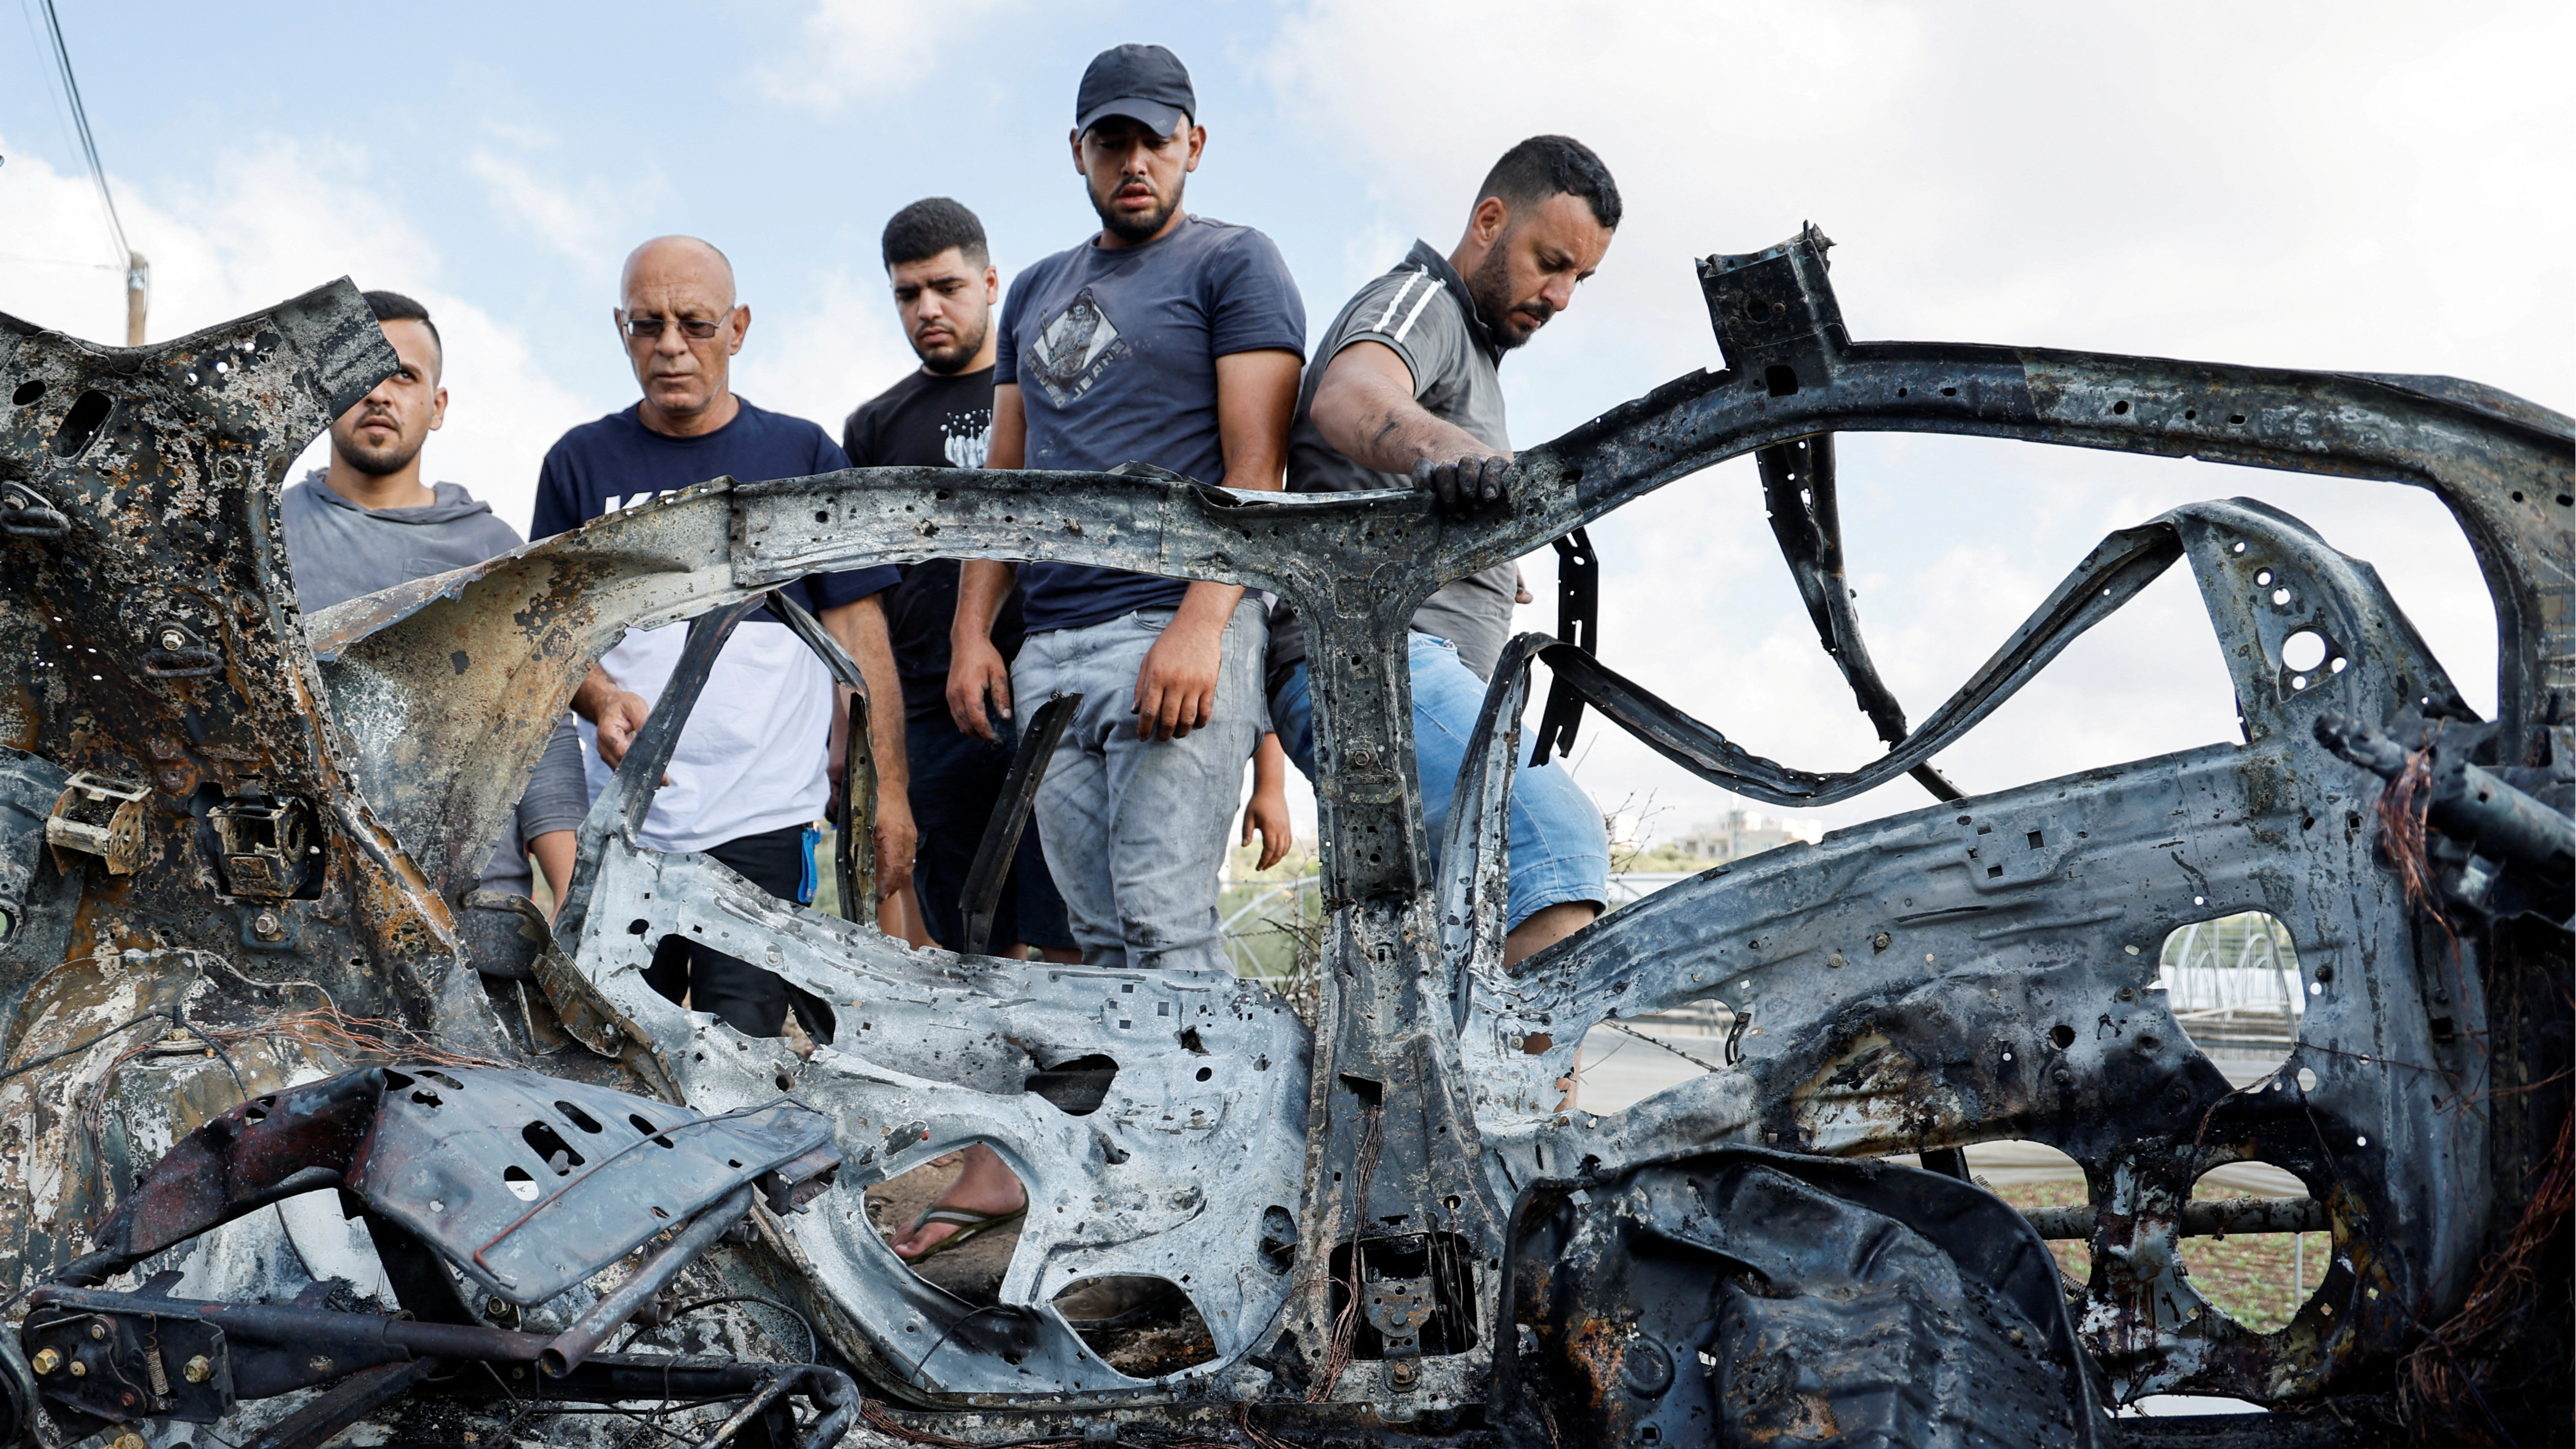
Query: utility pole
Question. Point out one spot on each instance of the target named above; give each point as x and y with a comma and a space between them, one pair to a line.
138, 296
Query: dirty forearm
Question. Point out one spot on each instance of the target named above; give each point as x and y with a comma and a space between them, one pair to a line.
1366, 409
860, 628
594, 693
981, 586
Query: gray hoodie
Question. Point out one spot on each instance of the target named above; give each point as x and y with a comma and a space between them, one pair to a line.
340, 551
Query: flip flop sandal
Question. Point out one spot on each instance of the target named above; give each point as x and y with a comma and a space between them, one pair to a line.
970, 1225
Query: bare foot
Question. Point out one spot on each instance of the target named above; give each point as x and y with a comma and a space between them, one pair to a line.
986, 1186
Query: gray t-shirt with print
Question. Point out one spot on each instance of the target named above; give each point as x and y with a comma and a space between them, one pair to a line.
1422, 311
1114, 352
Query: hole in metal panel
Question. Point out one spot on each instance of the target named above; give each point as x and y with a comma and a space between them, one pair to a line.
81, 424
1077, 1087
1165, 1334
550, 1148
2260, 1280
2233, 986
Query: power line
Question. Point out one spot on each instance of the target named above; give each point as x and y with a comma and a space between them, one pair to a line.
138, 272
80, 124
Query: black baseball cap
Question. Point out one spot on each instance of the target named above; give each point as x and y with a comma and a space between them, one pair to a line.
1143, 82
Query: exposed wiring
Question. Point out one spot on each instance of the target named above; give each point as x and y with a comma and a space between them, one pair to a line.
80, 124
52, 1057
1653, 1041
941, 1342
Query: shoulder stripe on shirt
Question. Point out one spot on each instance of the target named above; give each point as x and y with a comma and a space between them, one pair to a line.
1427, 294
1398, 299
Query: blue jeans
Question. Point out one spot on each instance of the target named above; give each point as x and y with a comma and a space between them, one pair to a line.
955, 780
1136, 830
1559, 851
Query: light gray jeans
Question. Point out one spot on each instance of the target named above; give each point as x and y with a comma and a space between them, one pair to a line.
1135, 830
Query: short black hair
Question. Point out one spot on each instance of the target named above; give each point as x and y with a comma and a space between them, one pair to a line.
930, 226
395, 307
1545, 166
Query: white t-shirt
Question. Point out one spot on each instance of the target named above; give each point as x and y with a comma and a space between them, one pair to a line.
754, 755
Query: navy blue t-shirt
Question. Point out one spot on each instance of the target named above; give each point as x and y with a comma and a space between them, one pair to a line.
1114, 352
617, 462
929, 421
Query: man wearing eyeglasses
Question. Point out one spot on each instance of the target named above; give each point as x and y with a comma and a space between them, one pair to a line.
749, 775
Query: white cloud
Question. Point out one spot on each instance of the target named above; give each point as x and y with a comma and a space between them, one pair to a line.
582, 223
2357, 187
848, 49
267, 224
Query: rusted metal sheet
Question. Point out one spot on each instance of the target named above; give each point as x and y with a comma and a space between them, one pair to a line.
1337, 1203
527, 1184
486, 1170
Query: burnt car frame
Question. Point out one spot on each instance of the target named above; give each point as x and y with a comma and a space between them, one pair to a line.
230, 822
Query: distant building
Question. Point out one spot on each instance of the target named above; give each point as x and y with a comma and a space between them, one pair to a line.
1740, 833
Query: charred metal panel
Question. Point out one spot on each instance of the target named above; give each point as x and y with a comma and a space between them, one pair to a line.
528, 1184
1752, 1297
153, 639
1971, 971
427, 1157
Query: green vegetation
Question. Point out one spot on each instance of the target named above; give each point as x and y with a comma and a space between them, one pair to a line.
1662, 858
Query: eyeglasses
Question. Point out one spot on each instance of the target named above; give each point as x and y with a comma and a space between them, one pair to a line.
649, 329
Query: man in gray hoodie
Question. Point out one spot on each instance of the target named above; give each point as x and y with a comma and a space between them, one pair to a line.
367, 522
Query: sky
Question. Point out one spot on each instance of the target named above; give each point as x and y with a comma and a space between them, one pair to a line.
2354, 186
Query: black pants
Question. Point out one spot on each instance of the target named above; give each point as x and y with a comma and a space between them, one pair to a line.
750, 999
955, 780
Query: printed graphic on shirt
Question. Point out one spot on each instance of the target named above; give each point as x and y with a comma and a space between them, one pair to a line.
1073, 348
619, 502
967, 438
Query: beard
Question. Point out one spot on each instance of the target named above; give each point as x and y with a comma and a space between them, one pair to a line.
376, 462
950, 358
1491, 288
1134, 227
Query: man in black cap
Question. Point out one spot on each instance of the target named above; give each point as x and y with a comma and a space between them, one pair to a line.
1167, 339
